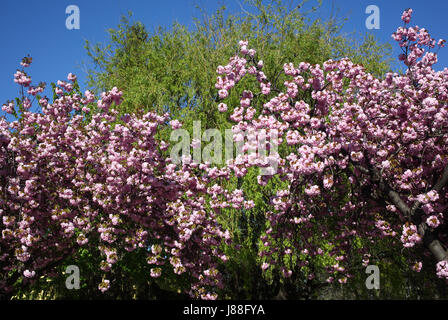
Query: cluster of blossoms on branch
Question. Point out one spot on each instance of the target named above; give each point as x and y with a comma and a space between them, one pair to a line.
71, 179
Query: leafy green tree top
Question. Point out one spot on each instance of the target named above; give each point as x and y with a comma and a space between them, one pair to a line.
172, 70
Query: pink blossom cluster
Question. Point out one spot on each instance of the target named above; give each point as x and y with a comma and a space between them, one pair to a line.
22, 78
410, 236
8, 107
433, 221
68, 183
442, 269
417, 266
237, 68
406, 16
412, 40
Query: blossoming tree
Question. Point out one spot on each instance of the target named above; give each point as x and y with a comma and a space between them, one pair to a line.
364, 158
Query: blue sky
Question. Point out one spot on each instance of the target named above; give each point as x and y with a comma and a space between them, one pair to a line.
38, 28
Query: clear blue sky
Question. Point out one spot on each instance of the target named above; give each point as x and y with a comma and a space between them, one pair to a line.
38, 28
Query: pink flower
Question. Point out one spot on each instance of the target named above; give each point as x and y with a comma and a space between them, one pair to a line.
175, 124
385, 164
223, 93
82, 240
406, 16
195, 143
312, 191
328, 181
156, 249
29, 274
433, 195
104, 285
417, 267
222, 107
156, 272
8, 220
209, 296
8, 108
433, 222
442, 269
265, 88
71, 77
356, 156
286, 273
410, 235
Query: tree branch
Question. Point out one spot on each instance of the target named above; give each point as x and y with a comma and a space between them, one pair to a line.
430, 239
